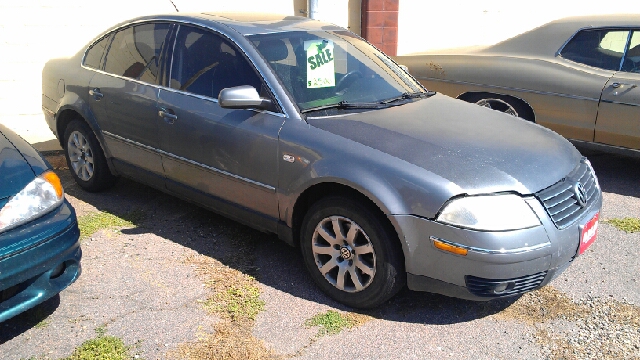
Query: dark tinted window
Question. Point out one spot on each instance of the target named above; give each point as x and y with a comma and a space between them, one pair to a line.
205, 63
94, 57
135, 52
597, 48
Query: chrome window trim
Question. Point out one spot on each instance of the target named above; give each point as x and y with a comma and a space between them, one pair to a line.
577, 97
211, 168
521, 250
284, 112
626, 48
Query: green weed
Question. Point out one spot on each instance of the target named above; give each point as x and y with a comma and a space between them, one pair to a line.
628, 224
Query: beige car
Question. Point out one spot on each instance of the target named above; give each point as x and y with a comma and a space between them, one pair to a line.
578, 76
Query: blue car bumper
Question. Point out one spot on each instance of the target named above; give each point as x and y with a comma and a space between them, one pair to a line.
38, 260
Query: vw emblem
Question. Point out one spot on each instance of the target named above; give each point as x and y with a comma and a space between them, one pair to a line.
580, 194
345, 252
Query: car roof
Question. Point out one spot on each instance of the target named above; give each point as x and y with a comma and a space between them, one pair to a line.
243, 23
547, 39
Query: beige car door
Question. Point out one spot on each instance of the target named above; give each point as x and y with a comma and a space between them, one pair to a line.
618, 121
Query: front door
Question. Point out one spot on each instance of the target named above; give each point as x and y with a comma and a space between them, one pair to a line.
618, 120
225, 159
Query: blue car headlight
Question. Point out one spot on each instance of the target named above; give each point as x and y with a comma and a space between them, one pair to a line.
489, 213
39, 197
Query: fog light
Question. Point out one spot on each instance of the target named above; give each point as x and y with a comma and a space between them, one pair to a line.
502, 287
57, 271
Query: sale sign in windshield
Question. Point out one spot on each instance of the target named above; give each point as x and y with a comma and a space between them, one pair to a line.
320, 64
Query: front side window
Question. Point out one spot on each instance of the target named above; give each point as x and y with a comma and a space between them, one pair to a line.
94, 55
205, 63
601, 48
135, 52
321, 68
632, 59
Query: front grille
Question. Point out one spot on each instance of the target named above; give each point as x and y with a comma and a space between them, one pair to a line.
560, 199
486, 287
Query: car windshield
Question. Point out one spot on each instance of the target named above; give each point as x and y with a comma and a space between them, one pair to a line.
325, 68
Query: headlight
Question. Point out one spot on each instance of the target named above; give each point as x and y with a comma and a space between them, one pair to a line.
491, 213
39, 197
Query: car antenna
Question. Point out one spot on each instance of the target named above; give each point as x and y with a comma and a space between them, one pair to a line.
174, 5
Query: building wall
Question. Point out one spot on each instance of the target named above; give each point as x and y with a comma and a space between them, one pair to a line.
34, 31
432, 25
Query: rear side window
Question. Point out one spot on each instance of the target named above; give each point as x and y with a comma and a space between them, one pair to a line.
135, 52
598, 48
94, 56
205, 63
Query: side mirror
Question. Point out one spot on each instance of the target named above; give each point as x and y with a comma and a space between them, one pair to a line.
242, 97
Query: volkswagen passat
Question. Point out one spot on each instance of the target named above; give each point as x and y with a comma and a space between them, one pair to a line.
39, 248
303, 129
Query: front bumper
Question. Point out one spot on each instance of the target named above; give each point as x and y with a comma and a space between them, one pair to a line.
38, 260
518, 261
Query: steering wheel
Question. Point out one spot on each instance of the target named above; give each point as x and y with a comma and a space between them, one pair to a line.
347, 79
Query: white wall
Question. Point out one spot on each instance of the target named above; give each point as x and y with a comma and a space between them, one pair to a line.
34, 31
425, 25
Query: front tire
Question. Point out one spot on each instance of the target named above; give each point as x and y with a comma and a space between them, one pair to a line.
86, 160
350, 253
503, 103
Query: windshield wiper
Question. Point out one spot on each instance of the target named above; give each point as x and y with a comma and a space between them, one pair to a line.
345, 105
408, 95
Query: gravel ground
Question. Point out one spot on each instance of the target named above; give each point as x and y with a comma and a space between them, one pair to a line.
137, 284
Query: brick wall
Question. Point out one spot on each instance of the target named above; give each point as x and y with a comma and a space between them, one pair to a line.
380, 24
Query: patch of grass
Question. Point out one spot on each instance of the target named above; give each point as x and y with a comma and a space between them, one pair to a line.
241, 302
628, 224
332, 322
91, 223
236, 298
42, 324
104, 347
542, 305
230, 341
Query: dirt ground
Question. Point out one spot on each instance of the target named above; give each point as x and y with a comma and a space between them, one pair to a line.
140, 284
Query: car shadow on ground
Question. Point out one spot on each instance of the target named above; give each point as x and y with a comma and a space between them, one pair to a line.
34, 317
269, 260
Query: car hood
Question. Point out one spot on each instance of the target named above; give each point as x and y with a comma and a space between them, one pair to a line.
15, 171
477, 149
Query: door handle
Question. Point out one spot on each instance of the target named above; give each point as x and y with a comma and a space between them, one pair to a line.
97, 95
168, 115
616, 85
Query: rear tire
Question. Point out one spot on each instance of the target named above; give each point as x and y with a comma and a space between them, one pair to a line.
86, 160
350, 253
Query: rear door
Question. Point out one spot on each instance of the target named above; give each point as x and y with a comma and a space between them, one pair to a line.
128, 90
619, 112
222, 158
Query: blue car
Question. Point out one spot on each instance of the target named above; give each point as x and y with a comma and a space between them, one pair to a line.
39, 237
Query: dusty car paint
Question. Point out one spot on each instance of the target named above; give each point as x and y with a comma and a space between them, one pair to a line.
578, 101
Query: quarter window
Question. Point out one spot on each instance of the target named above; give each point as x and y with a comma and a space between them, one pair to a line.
205, 63
135, 52
94, 56
598, 48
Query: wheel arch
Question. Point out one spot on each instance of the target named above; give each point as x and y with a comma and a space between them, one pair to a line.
65, 116
321, 190
473, 96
